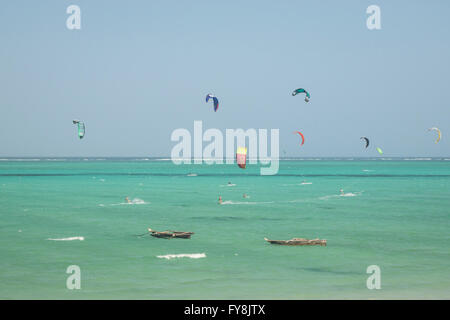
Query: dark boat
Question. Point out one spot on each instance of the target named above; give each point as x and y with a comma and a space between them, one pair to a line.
170, 234
298, 242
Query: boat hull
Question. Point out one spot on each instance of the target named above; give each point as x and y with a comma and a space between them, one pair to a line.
171, 235
298, 242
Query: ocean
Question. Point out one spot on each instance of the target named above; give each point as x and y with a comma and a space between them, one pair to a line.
56, 213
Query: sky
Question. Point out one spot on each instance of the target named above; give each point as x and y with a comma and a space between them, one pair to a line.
138, 70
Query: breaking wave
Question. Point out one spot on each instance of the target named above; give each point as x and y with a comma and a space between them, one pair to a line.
67, 239
183, 255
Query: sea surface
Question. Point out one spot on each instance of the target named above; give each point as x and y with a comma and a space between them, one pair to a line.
55, 213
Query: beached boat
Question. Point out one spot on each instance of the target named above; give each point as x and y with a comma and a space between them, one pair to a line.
170, 234
298, 242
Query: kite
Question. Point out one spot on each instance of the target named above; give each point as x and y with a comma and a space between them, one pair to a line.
300, 90
438, 132
216, 101
367, 141
301, 135
81, 128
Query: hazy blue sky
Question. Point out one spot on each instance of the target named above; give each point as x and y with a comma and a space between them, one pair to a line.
137, 70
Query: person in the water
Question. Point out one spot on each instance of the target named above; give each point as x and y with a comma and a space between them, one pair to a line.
220, 200
342, 192
245, 195
127, 200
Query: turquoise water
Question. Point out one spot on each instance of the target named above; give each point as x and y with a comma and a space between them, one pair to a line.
395, 215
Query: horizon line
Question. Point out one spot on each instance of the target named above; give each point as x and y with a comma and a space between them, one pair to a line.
224, 158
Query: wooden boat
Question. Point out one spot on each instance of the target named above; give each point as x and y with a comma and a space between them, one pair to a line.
298, 242
170, 234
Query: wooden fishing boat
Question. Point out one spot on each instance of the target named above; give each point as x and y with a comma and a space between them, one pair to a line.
170, 234
298, 242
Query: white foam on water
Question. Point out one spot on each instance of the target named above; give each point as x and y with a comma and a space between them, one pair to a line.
22, 159
227, 185
137, 201
244, 202
67, 239
296, 200
417, 159
329, 197
192, 175
134, 201
295, 184
183, 255
348, 195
